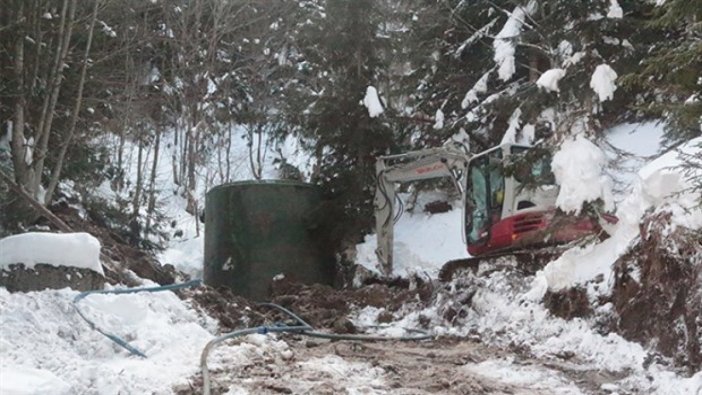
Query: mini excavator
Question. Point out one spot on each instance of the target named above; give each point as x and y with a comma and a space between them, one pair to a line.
508, 195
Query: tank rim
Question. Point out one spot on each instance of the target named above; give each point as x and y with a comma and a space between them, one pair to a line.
269, 183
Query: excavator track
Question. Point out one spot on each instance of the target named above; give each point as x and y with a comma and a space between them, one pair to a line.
527, 261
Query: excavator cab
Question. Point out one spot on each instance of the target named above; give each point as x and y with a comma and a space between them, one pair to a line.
510, 202
509, 198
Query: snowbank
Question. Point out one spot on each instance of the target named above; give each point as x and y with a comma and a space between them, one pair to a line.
80, 250
663, 186
47, 348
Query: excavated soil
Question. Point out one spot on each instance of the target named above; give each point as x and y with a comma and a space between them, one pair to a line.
18, 278
658, 291
325, 307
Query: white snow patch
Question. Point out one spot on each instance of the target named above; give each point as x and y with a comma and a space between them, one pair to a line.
23, 380
634, 145
579, 170
549, 79
602, 82
524, 376
372, 102
80, 250
43, 338
479, 87
439, 119
573, 59
510, 136
615, 10
422, 244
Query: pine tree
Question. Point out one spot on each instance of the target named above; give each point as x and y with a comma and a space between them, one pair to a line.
672, 72
340, 56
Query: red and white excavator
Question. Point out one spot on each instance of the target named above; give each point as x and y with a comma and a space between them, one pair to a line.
502, 212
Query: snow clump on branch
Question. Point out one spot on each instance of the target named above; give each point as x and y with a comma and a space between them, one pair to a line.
504, 43
549, 79
579, 170
372, 102
602, 82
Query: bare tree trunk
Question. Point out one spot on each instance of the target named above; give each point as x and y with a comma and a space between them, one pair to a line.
43, 139
56, 172
152, 183
220, 165
229, 152
255, 152
174, 155
136, 201
17, 146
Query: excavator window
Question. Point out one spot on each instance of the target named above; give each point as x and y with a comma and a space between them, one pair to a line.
486, 190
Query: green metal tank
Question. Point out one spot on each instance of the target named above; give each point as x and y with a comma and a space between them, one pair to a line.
255, 230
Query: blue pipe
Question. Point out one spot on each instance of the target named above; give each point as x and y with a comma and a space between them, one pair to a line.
118, 340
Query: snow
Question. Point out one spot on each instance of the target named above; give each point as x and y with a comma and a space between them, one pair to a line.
641, 139
479, 87
439, 119
504, 43
372, 102
80, 250
422, 243
45, 341
630, 147
549, 79
535, 378
615, 10
579, 169
602, 82
661, 185
510, 136
20, 380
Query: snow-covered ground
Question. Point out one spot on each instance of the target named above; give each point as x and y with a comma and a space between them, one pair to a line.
46, 348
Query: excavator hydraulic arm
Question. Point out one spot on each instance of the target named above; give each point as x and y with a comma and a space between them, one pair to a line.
412, 166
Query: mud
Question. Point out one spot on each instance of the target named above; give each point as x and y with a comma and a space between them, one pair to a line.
658, 291
569, 303
230, 310
325, 307
442, 366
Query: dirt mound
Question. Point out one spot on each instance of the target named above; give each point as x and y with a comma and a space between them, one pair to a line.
569, 303
658, 291
231, 311
325, 307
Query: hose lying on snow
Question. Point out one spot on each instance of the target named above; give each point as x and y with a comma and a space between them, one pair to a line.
301, 327
121, 342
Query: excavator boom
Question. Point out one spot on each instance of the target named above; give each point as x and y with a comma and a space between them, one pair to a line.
412, 166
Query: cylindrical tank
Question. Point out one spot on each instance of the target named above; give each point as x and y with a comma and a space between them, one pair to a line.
255, 230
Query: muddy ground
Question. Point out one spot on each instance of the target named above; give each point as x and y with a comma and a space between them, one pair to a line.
442, 366
445, 365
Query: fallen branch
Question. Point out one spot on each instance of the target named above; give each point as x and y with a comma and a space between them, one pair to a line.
58, 222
